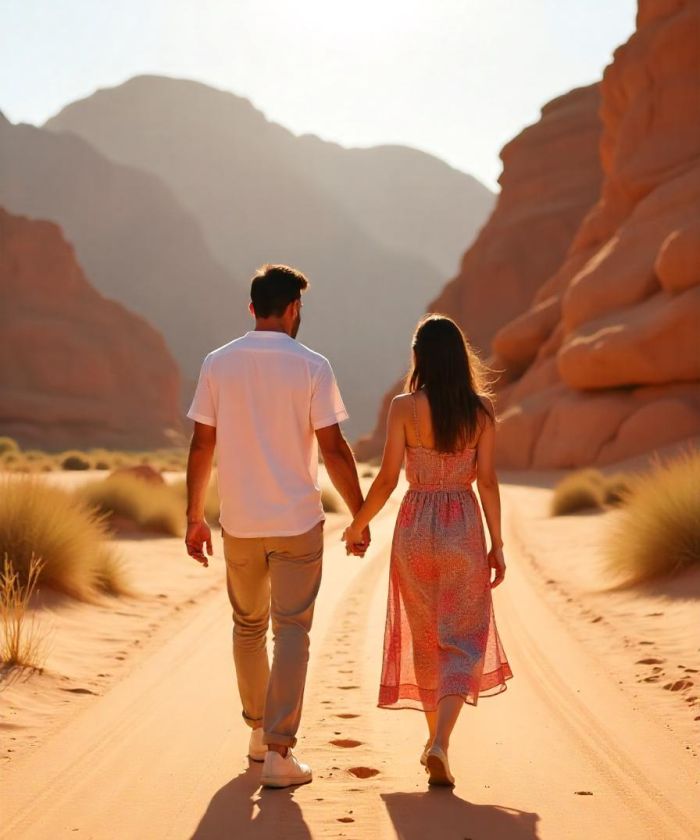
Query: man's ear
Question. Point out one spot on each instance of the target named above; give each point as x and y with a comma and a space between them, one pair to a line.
251, 309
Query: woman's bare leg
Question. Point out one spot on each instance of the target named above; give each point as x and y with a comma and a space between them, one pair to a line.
448, 711
431, 719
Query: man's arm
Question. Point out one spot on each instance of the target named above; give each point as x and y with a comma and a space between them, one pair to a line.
198, 473
342, 471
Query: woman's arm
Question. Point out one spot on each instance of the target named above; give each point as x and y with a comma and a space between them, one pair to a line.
487, 483
388, 476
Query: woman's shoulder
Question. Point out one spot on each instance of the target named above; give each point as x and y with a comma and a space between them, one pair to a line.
402, 402
487, 406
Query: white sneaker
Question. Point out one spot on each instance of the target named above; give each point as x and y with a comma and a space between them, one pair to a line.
283, 771
256, 749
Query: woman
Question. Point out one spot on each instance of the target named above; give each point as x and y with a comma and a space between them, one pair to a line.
441, 646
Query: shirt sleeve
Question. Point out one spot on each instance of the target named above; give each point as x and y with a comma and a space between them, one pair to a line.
203, 407
327, 407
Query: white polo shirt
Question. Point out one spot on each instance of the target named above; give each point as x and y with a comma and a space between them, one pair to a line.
266, 394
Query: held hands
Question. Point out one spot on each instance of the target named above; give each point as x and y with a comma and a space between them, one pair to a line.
356, 541
198, 534
498, 564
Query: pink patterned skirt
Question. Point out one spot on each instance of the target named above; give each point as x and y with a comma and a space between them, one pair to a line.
440, 637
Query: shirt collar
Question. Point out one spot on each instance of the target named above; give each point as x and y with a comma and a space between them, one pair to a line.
266, 334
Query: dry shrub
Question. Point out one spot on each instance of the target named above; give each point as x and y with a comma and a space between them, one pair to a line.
211, 502
618, 488
38, 520
152, 507
12, 461
368, 474
21, 643
658, 530
581, 490
8, 444
330, 500
74, 460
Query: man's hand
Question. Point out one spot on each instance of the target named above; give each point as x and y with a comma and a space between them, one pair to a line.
198, 534
356, 542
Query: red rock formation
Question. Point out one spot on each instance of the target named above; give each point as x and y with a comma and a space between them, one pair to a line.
76, 369
612, 340
551, 178
604, 363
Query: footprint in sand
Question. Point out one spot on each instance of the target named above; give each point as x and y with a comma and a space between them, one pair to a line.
678, 685
345, 819
347, 716
79, 690
347, 687
650, 661
349, 743
363, 772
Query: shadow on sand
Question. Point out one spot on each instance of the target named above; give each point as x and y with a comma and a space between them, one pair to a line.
241, 809
440, 814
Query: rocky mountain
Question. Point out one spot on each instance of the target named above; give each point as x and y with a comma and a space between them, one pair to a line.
551, 177
135, 241
76, 369
603, 363
371, 228
615, 370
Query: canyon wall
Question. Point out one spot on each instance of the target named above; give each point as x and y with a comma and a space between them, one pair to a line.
76, 369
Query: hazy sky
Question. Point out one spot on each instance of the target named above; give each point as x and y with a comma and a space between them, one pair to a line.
457, 78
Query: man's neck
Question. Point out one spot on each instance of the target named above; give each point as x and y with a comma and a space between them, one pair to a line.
270, 325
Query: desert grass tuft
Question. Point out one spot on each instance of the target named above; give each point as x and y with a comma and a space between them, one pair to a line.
581, 490
211, 502
658, 529
618, 488
152, 507
39, 520
74, 460
21, 642
8, 444
330, 500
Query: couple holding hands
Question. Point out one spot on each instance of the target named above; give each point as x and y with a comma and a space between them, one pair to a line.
266, 404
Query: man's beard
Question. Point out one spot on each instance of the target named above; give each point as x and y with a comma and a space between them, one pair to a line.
295, 326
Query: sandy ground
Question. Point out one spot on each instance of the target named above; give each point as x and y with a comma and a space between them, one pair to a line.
579, 746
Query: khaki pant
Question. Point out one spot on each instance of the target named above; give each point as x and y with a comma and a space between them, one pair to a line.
278, 576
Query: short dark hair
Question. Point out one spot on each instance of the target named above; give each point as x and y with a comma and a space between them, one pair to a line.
274, 287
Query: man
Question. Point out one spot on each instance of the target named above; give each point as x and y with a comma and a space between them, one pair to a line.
264, 400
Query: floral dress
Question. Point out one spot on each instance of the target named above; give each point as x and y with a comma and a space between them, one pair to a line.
440, 635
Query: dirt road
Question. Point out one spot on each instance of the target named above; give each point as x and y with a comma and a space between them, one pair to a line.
561, 754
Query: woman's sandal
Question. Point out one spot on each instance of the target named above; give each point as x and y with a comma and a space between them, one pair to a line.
438, 768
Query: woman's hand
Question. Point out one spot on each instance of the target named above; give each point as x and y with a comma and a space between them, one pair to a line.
356, 541
498, 564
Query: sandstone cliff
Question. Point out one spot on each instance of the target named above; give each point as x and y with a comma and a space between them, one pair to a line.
76, 369
599, 350
610, 347
551, 178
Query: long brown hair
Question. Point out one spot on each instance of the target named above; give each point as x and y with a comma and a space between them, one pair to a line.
454, 379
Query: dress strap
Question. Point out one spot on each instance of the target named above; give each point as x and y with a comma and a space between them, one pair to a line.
415, 419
